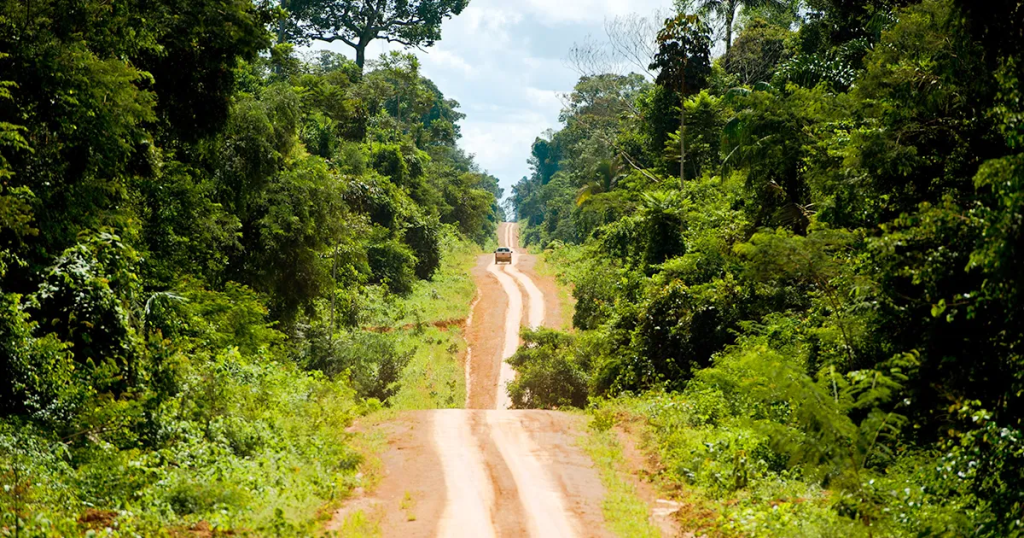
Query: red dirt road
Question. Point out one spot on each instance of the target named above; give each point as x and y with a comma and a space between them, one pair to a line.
489, 471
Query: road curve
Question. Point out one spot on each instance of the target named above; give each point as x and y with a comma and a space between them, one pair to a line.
509, 237
536, 298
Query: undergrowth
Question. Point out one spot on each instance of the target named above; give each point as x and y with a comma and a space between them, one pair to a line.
736, 480
252, 439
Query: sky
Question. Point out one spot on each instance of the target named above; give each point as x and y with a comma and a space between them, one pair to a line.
504, 62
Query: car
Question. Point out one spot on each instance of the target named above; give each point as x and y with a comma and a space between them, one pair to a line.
503, 255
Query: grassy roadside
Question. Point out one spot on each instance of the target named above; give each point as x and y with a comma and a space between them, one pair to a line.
626, 513
434, 379
432, 328
702, 464
545, 268
429, 324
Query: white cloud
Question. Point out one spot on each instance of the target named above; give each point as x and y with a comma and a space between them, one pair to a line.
446, 59
485, 18
549, 102
504, 146
588, 11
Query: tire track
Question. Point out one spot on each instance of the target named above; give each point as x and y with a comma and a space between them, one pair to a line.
469, 495
538, 494
533, 293
513, 317
491, 473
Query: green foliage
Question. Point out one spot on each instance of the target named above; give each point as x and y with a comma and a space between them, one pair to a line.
240, 438
358, 22
194, 232
821, 325
683, 60
39, 373
370, 361
86, 299
392, 264
552, 372
757, 52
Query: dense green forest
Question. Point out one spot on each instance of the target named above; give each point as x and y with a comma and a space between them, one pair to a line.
816, 316
197, 224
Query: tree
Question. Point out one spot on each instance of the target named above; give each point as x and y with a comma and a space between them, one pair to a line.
758, 52
606, 176
408, 99
684, 62
727, 10
413, 23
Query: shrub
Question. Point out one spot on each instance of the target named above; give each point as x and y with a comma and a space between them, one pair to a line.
372, 362
552, 372
424, 238
392, 264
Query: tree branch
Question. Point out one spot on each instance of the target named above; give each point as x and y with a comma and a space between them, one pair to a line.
638, 169
332, 39
405, 42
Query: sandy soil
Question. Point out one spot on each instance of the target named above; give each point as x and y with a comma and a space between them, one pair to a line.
485, 346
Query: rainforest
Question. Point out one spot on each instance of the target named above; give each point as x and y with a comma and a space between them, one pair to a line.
768, 272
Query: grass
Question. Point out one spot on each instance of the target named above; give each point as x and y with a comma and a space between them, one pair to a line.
448, 295
434, 379
407, 505
429, 324
625, 512
359, 525
546, 269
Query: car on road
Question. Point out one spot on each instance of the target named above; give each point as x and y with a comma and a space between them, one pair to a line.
503, 255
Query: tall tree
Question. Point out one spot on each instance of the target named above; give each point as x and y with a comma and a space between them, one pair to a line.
413, 23
726, 11
683, 62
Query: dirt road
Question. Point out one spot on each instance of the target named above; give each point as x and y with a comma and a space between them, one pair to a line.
489, 471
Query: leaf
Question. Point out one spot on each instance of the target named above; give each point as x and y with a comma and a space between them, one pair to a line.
733, 128
736, 93
939, 308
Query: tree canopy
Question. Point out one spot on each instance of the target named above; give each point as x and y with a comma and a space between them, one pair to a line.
836, 286
199, 232
356, 23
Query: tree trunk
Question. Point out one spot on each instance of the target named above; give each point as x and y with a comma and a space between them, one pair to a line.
280, 23
360, 55
334, 288
730, 16
682, 135
280, 40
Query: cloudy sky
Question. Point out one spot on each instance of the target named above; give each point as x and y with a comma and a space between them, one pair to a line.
504, 61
